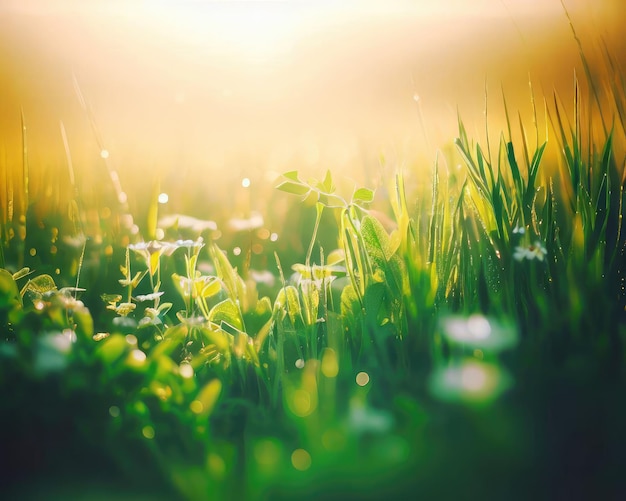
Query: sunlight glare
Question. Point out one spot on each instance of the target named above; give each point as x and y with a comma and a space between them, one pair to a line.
256, 31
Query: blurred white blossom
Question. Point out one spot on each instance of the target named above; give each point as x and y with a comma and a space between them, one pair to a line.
530, 252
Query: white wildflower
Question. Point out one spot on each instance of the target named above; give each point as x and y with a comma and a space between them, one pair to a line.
530, 252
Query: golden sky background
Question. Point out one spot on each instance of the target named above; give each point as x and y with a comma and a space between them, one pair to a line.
206, 93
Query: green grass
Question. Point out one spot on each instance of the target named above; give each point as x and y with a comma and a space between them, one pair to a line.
476, 347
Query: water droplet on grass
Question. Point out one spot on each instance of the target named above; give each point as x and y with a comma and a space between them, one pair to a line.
362, 378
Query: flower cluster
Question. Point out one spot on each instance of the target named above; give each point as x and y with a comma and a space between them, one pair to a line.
151, 251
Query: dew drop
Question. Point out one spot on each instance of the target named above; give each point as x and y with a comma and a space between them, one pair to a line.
362, 378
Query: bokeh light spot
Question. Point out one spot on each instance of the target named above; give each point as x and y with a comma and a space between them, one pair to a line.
301, 402
473, 378
267, 453
330, 366
362, 378
186, 370
479, 326
301, 460
138, 356
216, 465
196, 407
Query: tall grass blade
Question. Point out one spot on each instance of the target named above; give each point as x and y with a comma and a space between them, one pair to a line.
585, 63
25, 166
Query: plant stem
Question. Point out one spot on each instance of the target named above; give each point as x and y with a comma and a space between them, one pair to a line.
319, 209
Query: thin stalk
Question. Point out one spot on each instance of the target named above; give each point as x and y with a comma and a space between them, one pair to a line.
24, 164
80, 267
319, 209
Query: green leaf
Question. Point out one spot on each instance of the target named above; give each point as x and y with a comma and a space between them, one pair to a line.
173, 337
112, 348
387, 266
84, 321
289, 300
375, 303
293, 175
9, 293
293, 188
216, 337
38, 286
21, 273
207, 286
377, 241
364, 195
234, 284
327, 183
207, 398
164, 308
226, 311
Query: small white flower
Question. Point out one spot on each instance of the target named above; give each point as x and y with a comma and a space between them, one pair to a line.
530, 252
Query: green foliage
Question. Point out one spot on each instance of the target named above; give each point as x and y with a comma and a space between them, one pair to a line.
497, 287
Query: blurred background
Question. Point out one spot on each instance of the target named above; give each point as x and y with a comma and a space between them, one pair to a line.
209, 101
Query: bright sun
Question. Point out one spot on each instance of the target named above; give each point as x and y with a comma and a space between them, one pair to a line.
255, 30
